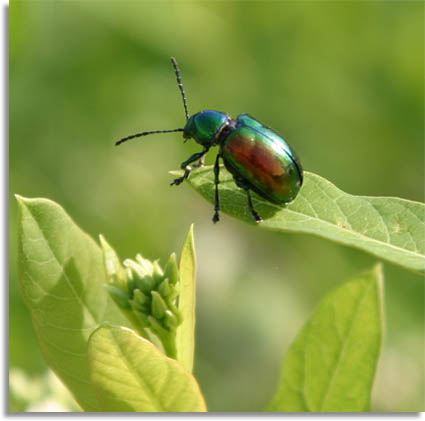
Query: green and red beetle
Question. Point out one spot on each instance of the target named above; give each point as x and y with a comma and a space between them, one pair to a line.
258, 158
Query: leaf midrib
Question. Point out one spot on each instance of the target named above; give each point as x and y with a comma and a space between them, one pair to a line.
133, 370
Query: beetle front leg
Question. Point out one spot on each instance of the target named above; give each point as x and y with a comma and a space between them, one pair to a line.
216, 216
187, 168
201, 161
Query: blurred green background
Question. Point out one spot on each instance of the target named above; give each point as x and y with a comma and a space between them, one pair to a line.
342, 81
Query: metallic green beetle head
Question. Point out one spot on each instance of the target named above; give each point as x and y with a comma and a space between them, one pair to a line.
205, 127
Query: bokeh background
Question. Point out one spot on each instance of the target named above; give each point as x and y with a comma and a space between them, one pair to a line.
342, 81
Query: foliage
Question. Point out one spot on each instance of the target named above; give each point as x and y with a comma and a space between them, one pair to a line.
389, 228
130, 374
331, 365
65, 281
109, 367
62, 281
84, 74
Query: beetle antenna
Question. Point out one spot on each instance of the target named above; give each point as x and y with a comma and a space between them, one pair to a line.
145, 134
179, 81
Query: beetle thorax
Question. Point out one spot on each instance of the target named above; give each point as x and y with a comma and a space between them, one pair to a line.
206, 127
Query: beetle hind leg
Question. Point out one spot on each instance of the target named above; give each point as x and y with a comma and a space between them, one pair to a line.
243, 185
216, 216
251, 208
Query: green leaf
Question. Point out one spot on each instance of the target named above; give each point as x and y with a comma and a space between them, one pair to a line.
185, 339
389, 228
330, 367
62, 278
132, 375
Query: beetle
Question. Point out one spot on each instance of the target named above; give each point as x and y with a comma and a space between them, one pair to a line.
258, 157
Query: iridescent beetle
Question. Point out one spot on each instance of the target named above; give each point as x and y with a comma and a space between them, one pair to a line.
258, 158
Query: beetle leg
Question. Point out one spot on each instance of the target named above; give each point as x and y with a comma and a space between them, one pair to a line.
251, 208
187, 168
179, 180
216, 216
201, 162
241, 183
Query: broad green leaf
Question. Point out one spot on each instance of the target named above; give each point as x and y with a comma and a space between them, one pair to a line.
330, 367
132, 375
62, 279
389, 228
186, 331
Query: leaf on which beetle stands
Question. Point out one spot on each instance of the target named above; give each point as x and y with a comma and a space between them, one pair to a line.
389, 228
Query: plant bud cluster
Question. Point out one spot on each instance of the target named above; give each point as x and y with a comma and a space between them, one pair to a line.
152, 293
146, 294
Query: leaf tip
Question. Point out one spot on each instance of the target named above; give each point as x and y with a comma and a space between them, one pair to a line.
189, 242
20, 199
191, 228
102, 241
24, 203
106, 247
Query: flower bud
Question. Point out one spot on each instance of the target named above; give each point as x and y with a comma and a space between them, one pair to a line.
145, 264
158, 274
170, 320
119, 296
158, 306
164, 288
171, 270
141, 278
